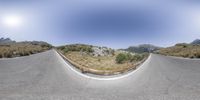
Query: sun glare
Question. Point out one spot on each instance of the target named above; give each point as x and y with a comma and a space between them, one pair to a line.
12, 21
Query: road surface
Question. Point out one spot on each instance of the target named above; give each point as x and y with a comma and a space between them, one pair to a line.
46, 76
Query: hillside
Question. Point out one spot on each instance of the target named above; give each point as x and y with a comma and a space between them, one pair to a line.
100, 60
10, 48
144, 48
191, 50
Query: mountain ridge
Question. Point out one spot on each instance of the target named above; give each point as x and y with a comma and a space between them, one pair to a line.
6, 41
196, 42
142, 48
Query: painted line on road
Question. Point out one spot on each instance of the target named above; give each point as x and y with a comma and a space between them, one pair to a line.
115, 77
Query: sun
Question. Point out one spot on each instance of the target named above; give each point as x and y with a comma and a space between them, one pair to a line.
12, 21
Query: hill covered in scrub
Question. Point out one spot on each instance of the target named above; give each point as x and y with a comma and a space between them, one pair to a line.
143, 48
9, 48
188, 50
87, 49
100, 60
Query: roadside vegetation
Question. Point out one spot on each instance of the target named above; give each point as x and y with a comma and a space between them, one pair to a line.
182, 50
100, 60
128, 57
76, 47
17, 49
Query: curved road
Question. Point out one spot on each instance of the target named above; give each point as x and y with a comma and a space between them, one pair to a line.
45, 76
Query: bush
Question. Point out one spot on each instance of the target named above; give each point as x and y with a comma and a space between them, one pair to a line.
77, 47
137, 57
65, 50
61, 47
122, 57
46, 46
127, 57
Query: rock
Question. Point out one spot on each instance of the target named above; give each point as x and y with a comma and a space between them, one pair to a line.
102, 51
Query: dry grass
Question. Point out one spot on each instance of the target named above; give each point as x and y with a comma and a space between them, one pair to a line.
182, 50
104, 65
21, 49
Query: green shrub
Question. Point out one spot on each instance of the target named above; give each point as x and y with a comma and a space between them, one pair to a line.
122, 57
61, 47
137, 57
65, 50
127, 57
76, 47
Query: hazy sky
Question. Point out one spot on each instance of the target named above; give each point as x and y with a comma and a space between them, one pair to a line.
113, 23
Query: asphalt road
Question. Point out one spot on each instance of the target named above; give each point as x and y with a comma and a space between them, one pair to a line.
46, 76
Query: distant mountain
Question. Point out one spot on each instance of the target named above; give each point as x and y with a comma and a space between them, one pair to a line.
142, 48
42, 43
196, 42
6, 41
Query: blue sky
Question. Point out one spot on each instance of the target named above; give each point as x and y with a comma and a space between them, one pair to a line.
112, 23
